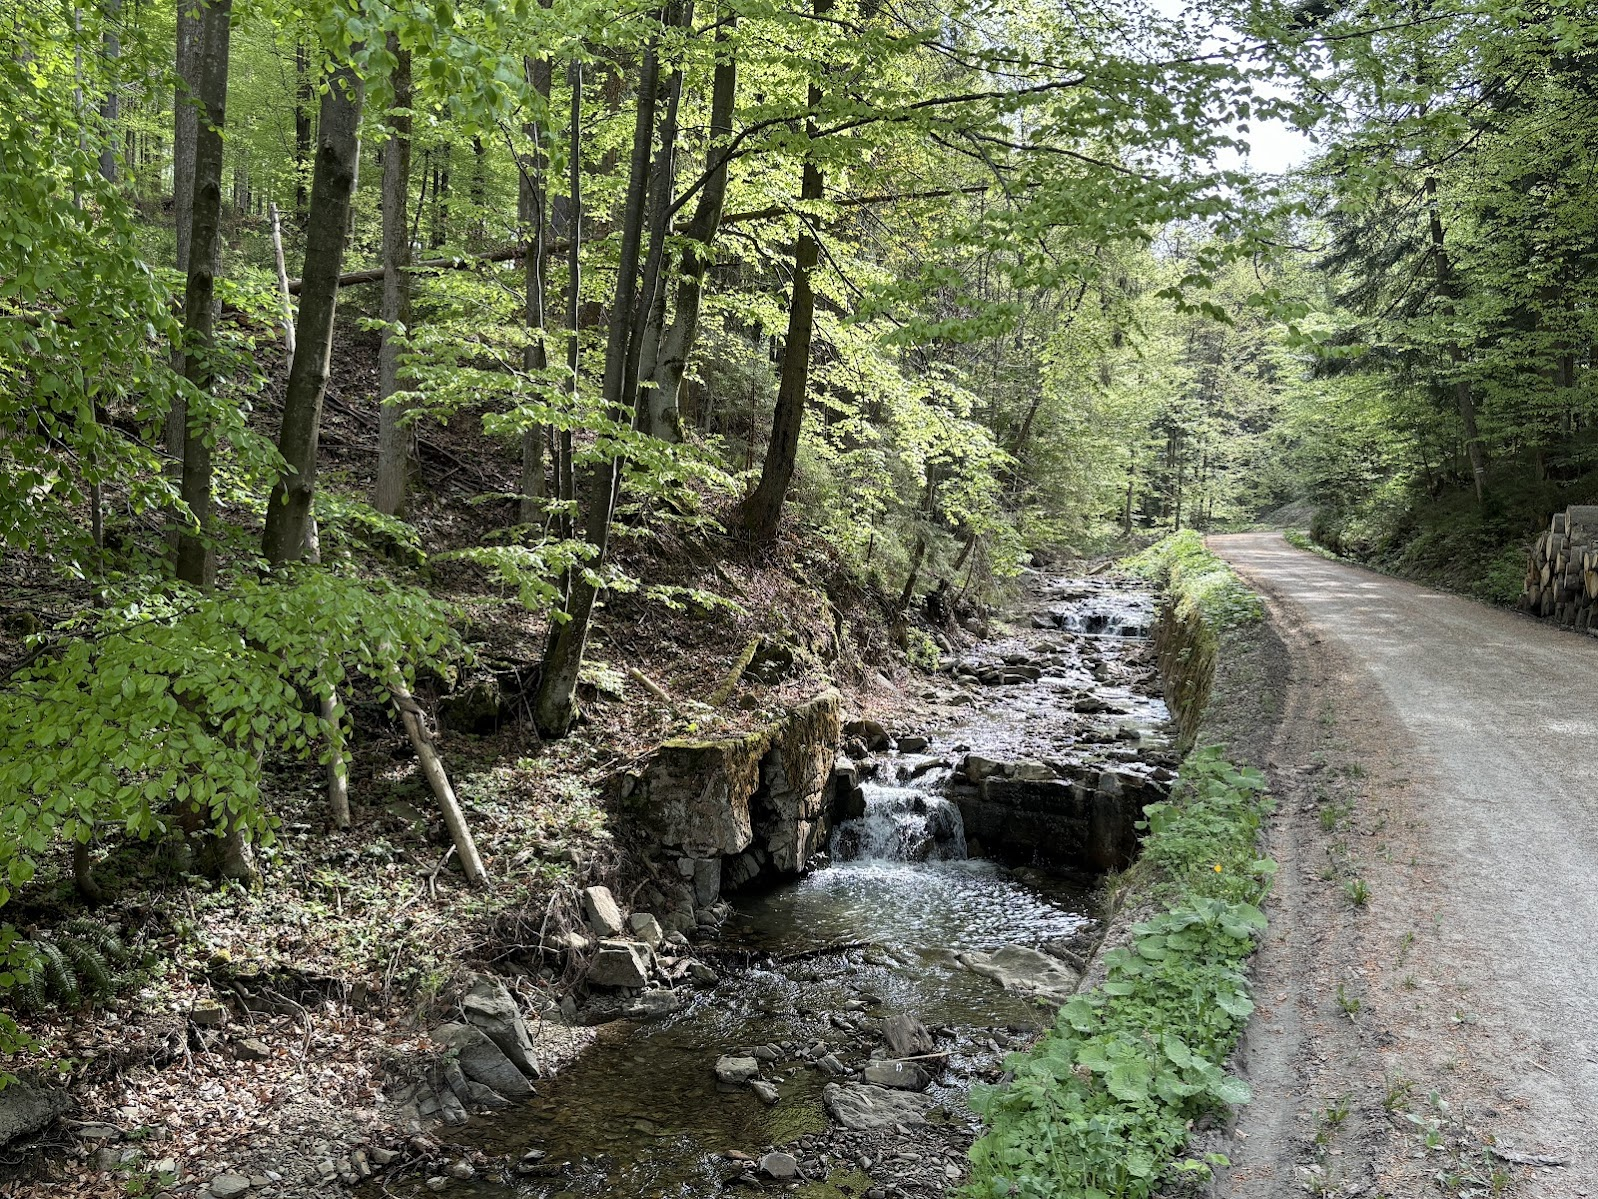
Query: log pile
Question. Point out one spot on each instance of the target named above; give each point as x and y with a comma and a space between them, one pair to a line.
1562, 577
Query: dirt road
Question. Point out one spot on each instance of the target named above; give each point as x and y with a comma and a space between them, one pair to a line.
1428, 994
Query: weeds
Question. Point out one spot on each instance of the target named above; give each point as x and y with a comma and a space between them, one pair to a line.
1356, 892
1349, 1003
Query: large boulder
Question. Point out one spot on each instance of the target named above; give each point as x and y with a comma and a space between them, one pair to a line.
900, 1076
862, 1106
620, 964
1025, 971
735, 1071
492, 1008
26, 1109
481, 1060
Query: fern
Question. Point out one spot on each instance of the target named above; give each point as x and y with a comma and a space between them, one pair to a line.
91, 967
59, 978
101, 936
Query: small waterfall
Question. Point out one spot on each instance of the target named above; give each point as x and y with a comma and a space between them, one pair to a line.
901, 824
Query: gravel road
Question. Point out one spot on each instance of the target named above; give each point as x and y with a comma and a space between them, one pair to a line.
1445, 755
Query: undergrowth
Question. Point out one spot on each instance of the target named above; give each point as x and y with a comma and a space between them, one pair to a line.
1102, 1105
1184, 567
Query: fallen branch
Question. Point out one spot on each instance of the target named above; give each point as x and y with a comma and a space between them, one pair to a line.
648, 684
729, 684
454, 818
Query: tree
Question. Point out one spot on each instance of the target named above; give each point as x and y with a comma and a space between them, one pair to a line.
395, 440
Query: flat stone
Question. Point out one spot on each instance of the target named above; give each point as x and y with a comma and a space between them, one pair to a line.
1025, 971
861, 1106
225, 1185
481, 1061
735, 1071
901, 1076
252, 1049
912, 745
620, 964
208, 1015
768, 1093
779, 1165
602, 912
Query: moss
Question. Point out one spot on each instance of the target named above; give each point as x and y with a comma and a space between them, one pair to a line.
787, 1122
840, 1184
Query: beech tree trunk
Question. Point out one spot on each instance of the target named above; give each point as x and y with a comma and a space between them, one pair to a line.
196, 560
288, 512
662, 403
302, 128
554, 704
396, 442
534, 214
565, 473
762, 509
185, 123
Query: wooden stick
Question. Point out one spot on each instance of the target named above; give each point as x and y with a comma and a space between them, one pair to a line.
648, 684
283, 282
454, 818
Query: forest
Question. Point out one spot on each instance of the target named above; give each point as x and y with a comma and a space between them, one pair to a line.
575, 377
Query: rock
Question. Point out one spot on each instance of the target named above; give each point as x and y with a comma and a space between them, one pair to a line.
646, 928
490, 1006
252, 1049
901, 1076
868, 731
735, 1071
830, 1063
768, 1093
481, 1061
907, 1036
707, 881
702, 974
602, 912
912, 745
620, 964
976, 767
862, 1106
654, 1004
854, 748
462, 1169
208, 1015
25, 1109
99, 1132
1025, 971
779, 1165
437, 1183
476, 708
225, 1185
107, 1159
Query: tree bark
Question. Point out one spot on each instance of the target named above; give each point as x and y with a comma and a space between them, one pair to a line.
762, 509
302, 128
288, 512
554, 704
185, 124
1447, 288
396, 442
196, 560
565, 472
534, 213
662, 404
109, 107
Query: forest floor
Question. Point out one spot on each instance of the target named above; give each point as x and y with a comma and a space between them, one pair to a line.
1427, 1001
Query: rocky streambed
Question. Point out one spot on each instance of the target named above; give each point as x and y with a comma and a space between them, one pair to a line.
818, 1028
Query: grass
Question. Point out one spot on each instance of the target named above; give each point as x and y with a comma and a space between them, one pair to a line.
1103, 1103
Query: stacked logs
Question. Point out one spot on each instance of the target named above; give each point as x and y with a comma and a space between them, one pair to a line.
1562, 578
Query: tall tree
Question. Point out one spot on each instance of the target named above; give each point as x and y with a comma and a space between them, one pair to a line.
196, 560
288, 511
395, 440
762, 509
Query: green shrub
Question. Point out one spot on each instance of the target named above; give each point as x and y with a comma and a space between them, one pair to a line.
1101, 1105
1193, 576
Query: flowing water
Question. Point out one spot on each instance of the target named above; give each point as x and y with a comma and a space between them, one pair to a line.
805, 967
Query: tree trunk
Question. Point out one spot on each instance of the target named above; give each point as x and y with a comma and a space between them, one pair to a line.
762, 509
288, 512
395, 440
109, 107
565, 473
554, 705
1447, 289
534, 213
302, 128
185, 123
663, 402
196, 560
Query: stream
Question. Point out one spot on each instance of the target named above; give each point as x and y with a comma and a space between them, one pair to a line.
810, 970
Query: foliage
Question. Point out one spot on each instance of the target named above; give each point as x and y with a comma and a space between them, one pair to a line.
1198, 581
1102, 1103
